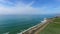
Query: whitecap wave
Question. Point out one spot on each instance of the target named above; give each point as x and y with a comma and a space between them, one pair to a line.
19, 33
42, 22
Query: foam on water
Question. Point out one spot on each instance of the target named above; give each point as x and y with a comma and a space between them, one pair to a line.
19, 33
6, 33
42, 22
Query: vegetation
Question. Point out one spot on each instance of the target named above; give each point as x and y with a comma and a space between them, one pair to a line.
52, 28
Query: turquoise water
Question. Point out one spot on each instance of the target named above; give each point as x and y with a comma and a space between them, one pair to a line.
13, 24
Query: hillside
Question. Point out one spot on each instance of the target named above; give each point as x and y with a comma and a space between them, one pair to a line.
52, 28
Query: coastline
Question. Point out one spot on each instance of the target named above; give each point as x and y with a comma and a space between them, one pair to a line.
29, 30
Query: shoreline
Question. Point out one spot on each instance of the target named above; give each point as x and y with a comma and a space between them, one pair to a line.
34, 27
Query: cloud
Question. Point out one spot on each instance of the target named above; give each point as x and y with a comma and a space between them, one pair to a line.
7, 7
18, 8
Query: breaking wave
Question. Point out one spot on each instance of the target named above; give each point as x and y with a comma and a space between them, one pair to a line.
6, 33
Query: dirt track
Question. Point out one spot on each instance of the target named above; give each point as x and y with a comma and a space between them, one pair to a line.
37, 29
41, 28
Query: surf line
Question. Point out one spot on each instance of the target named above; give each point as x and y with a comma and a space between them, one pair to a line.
29, 30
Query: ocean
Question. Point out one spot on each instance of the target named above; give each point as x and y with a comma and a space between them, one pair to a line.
14, 24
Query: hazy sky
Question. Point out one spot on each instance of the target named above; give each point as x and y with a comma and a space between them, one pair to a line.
29, 6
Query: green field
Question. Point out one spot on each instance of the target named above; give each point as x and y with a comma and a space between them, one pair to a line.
52, 28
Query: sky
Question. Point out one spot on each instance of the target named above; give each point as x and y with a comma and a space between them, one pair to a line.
29, 7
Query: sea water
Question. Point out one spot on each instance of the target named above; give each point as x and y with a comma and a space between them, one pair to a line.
14, 24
